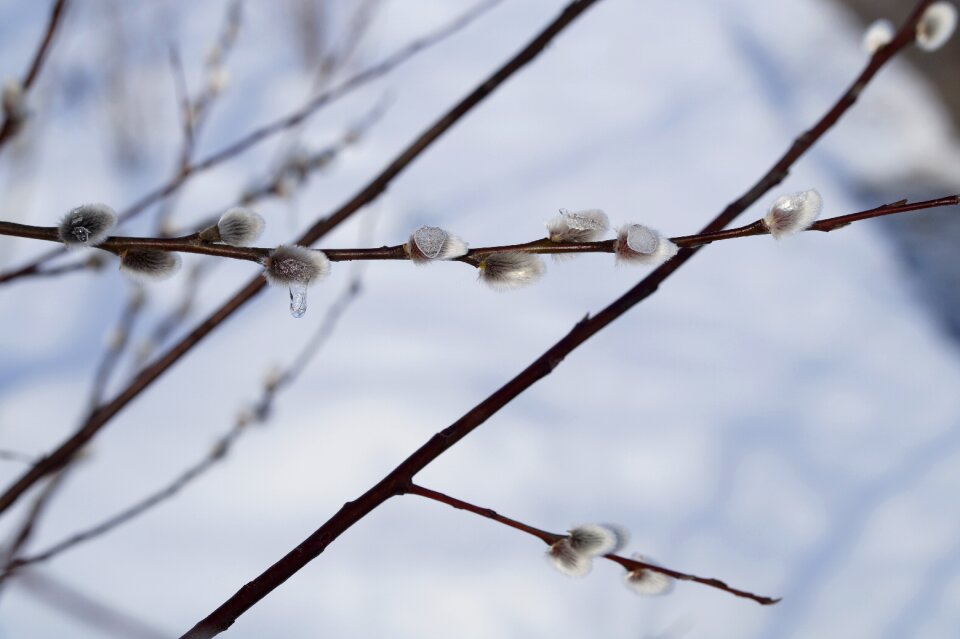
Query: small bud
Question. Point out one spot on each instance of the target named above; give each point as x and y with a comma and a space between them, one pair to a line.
504, 271
87, 225
291, 265
793, 213
595, 540
648, 582
638, 243
429, 243
577, 226
567, 560
936, 25
12, 101
240, 226
879, 34
149, 264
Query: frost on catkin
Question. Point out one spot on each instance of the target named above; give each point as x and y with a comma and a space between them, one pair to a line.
87, 225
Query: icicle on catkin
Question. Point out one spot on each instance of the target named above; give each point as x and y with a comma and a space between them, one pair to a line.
149, 264
295, 267
793, 213
878, 35
645, 581
430, 243
936, 25
643, 245
87, 225
578, 226
505, 271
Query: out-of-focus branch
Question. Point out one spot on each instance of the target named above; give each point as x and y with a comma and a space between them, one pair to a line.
549, 538
259, 413
366, 195
255, 137
398, 481
87, 610
12, 121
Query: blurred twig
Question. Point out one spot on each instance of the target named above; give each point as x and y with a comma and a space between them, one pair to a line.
236, 148
12, 122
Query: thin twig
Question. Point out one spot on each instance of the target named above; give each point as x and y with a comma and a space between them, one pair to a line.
260, 413
398, 480
11, 124
105, 618
366, 195
193, 243
550, 538
357, 81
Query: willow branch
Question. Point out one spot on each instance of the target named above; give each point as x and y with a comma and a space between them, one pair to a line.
370, 192
193, 243
550, 538
11, 124
397, 481
253, 138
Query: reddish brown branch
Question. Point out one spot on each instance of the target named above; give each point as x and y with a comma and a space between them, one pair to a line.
399, 479
193, 243
549, 538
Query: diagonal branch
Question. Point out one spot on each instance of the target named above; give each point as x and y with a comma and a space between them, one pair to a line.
398, 481
376, 186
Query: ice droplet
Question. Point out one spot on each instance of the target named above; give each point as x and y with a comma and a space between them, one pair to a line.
642, 240
298, 300
430, 240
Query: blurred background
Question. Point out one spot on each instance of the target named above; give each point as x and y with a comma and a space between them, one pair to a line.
780, 415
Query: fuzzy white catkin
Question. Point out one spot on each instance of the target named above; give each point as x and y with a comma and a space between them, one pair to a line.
936, 25
86, 225
12, 101
567, 560
430, 243
644, 581
877, 35
289, 265
504, 271
149, 264
793, 213
595, 540
643, 245
240, 226
578, 226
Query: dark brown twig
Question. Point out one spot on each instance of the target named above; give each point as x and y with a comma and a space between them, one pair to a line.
10, 124
373, 189
397, 481
549, 538
255, 137
193, 244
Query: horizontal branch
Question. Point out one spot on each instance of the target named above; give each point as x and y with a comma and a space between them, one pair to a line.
550, 538
195, 244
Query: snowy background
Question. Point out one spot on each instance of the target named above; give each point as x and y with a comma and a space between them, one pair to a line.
783, 416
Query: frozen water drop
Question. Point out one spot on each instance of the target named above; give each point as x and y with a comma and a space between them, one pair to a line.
430, 241
642, 240
298, 300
